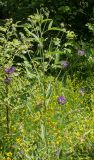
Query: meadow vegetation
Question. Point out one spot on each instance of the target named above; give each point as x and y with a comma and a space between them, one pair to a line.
46, 91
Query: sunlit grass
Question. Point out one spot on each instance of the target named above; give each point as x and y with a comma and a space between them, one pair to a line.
58, 130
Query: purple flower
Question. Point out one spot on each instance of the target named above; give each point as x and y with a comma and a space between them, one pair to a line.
61, 100
8, 80
9, 70
65, 64
81, 52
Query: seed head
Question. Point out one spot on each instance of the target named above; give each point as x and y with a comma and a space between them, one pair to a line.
82, 91
81, 52
65, 64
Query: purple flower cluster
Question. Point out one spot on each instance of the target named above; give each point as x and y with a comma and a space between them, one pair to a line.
61, 100
81, 52
8, 72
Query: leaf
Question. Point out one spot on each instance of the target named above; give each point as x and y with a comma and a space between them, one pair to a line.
43, 132
57, 29
48, 94
57, 57
2, 29
48, 91
46, 20
50, 25
36, 37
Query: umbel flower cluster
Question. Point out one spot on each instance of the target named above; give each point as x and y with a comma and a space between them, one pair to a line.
8, 72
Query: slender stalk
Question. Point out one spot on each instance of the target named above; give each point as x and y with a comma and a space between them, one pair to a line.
7, 112
44, 90
7, 118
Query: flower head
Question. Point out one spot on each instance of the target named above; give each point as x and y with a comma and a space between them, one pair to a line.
8, 80
65, 64
81, 52
9, 70
61, 100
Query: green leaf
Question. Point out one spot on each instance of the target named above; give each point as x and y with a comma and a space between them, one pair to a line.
46, 20
43, 132
50, 25
57, 29
2, 29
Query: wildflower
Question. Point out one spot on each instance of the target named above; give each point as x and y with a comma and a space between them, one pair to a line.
65, 64
8, 80
18, 140
82, 91
9, 70
61, 100
81, 52
9, 154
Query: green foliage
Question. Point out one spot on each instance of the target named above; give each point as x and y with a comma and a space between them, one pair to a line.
34, 126
12, 44
60, 131
75, 14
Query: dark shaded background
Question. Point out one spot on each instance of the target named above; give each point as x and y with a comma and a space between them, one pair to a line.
74, 13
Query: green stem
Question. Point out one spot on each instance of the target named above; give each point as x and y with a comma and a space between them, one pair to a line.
7, 118
7, 112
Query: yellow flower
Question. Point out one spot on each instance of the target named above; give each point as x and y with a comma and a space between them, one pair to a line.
8, 158
57, 142
9, 154
18, 140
